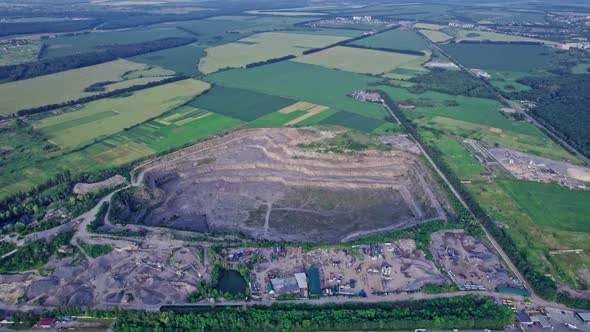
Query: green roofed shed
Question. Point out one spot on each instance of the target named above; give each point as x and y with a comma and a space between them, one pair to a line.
315, 287
512, 290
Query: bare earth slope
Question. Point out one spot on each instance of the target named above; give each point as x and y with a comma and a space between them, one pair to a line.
263, 183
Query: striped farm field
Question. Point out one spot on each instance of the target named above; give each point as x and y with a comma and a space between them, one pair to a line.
108, 116
240, 104
375, 62
61, 87
123, 154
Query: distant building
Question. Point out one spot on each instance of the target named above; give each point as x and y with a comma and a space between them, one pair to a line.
524, 319
65, 250
371, 97
584, 317
541, 321
46, 323
480, 73
567, 46
406, 106
461, 25
284, 286
302, 283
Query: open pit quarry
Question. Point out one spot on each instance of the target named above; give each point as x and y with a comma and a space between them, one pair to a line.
274, 184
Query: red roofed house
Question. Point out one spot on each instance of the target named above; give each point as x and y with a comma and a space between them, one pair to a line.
46, 323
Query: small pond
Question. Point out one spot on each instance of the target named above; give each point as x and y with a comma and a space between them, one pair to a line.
232, 282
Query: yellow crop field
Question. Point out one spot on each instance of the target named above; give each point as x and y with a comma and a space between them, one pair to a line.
260, 47
436, 36
108, 116
429, 26
373, 62
60, 87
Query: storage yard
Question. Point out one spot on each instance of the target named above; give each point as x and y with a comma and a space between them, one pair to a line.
469, 262
533, 168
362, 270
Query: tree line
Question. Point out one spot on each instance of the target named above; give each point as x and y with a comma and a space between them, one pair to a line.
83, 100
346, 41
116, 51
386, 49
7, 29
541, 284
269, 61
467, 312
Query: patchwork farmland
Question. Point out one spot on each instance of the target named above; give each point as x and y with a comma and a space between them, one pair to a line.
68, 85
312, 141
375, 62
261, 47
109, 116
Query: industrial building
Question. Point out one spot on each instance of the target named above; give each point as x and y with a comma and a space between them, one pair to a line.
293, 284
584, 317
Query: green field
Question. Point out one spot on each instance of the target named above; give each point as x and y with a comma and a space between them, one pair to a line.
374, 62
353, 121
539, 145
260, 47
509, 86
190, 125
506, 81
29, 163
318, 118
461, 160
60, 87
300, 81
501, 15
214, 32
388, 128
474, 35
240, 104
530, 236
328, 32
429, 26
523, 58
550, 204
96, 41
275, 119
581, 68
183, 60
475, 110
395, 39
108, 116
